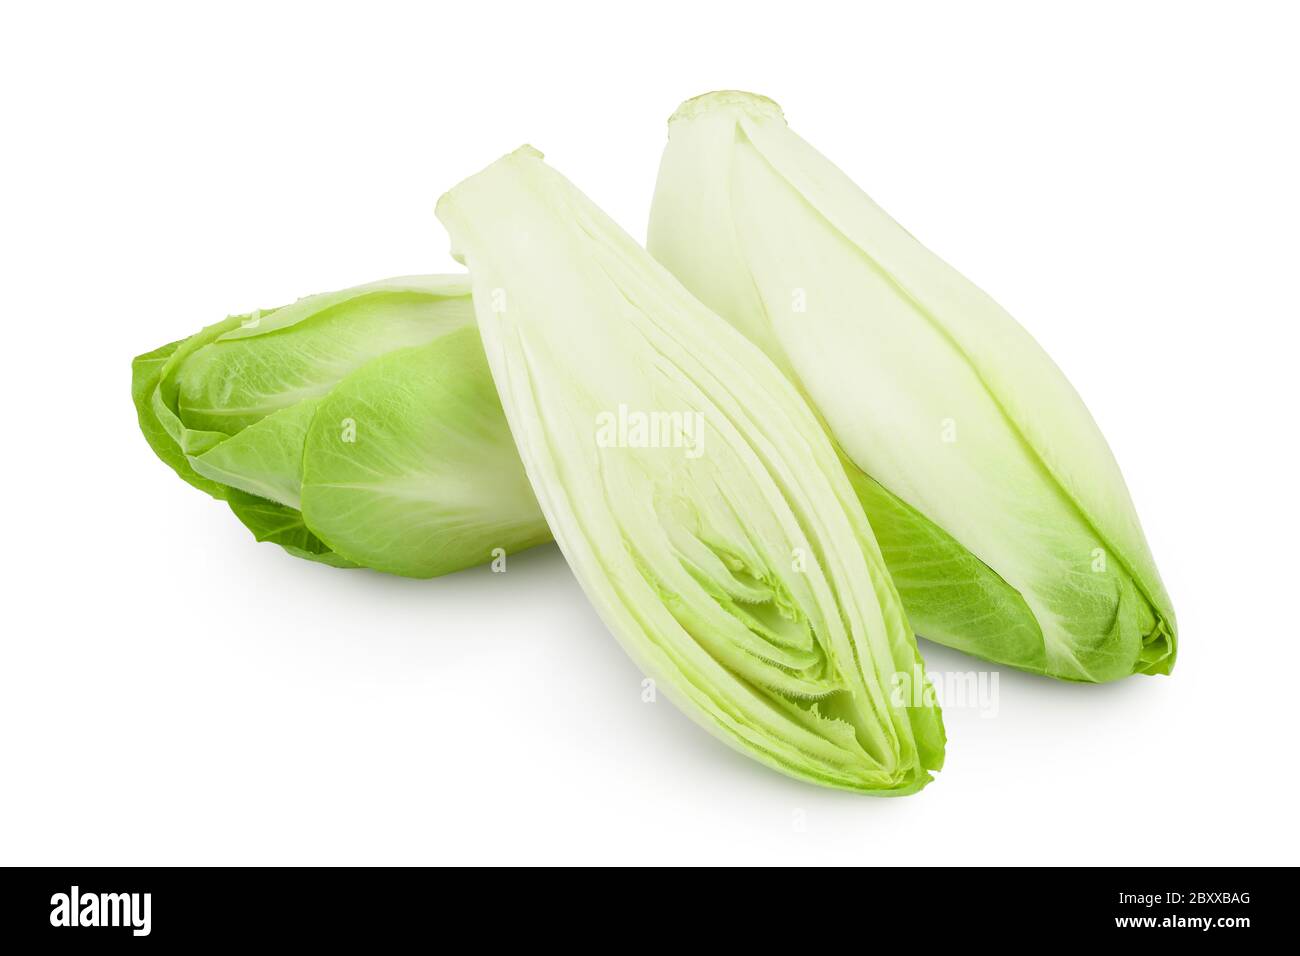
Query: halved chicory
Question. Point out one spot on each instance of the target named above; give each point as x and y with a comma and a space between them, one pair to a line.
691, 489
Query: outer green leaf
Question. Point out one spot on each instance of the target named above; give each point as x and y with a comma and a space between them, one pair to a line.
964, 603
264, 459
284, 526
410, 467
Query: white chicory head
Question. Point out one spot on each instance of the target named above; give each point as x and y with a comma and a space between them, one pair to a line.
998, 506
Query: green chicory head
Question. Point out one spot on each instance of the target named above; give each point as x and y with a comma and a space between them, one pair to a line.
355, 428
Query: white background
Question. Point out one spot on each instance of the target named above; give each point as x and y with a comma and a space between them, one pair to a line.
1122, 177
